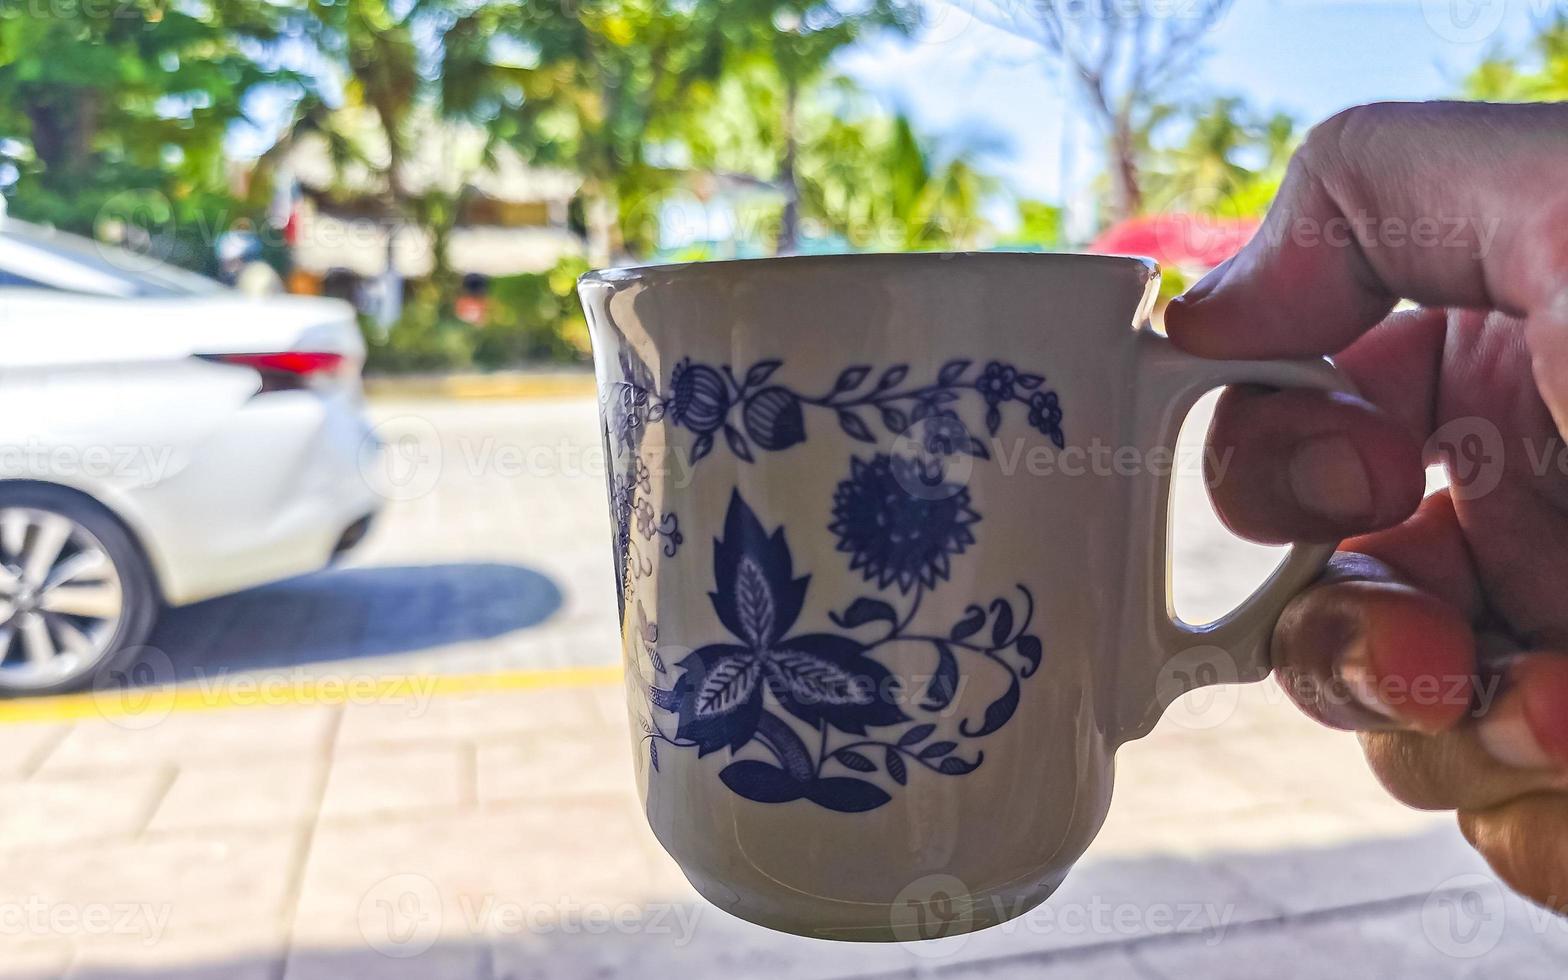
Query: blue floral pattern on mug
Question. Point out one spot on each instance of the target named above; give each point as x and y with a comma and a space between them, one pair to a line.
750, 413
815, 712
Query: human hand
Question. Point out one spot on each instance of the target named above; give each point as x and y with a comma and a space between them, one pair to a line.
1440, 630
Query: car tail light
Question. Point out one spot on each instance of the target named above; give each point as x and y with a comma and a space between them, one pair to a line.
288, 370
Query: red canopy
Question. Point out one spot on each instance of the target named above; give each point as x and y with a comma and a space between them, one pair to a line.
1177, 240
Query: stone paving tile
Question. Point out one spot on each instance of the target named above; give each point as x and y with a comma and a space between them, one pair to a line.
53, 811
472, 872
219, 736
595, 763
31, 957
483, 715
395, 781
26, 747
156, 909
265, 794
1358, 871
1415, 940
239, 950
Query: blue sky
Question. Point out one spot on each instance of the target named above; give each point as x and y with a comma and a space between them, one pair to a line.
1307, 57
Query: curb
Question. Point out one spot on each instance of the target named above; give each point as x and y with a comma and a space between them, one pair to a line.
151, 705
519, 386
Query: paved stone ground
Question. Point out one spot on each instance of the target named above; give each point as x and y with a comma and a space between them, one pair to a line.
494, 833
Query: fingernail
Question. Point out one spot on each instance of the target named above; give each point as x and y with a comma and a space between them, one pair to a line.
1356, 674
1328, 478
1203, 287
1506, 736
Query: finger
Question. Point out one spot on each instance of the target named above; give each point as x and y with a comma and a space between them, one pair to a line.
1383, 640
1447, 204
1523, 841
1518, 746
1364, 650
1298, 465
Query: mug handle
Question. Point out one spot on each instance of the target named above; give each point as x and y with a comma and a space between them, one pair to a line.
1235, 648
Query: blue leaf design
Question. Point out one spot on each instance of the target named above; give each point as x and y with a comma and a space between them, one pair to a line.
1030, 381
846, 795
754, 603
952, 371
997, 713
937, 749
855, 426
944, 681
1002, 629
974, 618
746, 539
813, 680
702, 446
760, 372
661, 698
977, 449
1029, 648
851, 377
954, 766
993, 420
726, 684
854, 760
895, 420
892, 376
864, 610
762, 783
738, 444
895, 767
916, 734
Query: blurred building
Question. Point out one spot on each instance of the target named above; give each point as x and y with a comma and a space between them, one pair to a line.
345, 240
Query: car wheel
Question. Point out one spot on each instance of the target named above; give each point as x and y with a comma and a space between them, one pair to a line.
76, 593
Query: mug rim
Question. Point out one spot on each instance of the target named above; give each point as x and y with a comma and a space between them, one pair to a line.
615, 276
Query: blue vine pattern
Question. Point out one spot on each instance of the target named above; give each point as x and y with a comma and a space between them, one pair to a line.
751, 414
635, 518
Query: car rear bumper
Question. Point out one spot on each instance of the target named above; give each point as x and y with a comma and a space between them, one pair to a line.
291, 467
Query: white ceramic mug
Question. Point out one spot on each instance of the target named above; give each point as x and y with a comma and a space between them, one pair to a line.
891, 544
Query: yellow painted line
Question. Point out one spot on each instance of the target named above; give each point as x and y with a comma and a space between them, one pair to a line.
135, 706
484, 386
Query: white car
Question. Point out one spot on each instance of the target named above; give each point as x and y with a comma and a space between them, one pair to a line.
163, 440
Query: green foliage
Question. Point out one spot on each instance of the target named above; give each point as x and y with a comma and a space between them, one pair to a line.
531, 317
1539, 76
534, 318
1040, 225
1228, 162
101, 100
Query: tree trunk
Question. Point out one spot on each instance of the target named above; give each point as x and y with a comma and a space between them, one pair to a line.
788, 179
1126, 194
604, 243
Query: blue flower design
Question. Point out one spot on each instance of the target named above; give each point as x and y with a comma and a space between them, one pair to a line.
996, 382
820, 678
899, 522
1045, 414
